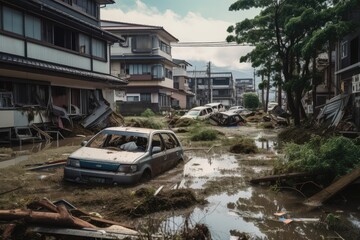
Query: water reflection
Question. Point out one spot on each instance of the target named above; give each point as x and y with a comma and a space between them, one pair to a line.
264, 141
246, 209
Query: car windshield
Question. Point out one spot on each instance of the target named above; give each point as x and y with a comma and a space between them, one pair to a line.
193, 113
233, 108
119, 141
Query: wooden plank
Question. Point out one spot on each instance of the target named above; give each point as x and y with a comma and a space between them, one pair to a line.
47, 166
273, 178
320, 197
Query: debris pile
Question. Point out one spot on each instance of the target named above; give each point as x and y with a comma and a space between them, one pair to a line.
60, 218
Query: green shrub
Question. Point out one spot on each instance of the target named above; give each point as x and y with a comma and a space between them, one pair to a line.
251, 100
148, 113
204, 135
335, 156
144, 123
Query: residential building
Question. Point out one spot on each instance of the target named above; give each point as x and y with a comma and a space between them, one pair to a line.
145, 60
54, 58
347, 65
242, 85
183, 98
213, 87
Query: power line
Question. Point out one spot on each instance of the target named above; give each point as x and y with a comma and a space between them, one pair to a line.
210, 44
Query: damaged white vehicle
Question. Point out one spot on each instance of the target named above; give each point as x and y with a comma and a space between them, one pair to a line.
124, 155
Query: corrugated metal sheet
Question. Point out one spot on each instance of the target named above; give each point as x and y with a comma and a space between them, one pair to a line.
334, 110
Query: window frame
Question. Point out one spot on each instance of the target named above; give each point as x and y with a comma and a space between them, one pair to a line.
344, 49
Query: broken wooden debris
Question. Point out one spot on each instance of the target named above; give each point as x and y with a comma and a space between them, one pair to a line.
158, 190
274, 178
11, 190
323, 195
61, 220
108, 233
45, 166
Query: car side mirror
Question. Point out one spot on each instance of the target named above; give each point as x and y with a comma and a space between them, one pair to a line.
156, 150
83, 143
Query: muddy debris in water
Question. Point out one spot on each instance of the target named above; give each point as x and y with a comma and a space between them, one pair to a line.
244, 145
239, 235
199, 232
164, 201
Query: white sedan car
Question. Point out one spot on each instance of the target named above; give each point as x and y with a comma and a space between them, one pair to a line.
200, 113
124, 155
236, 109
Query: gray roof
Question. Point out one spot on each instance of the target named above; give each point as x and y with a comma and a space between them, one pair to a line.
53, 68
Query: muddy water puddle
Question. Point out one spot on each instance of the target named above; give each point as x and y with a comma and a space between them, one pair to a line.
235, 206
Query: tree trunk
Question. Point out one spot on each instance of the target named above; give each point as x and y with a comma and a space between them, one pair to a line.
314, 84
267, 92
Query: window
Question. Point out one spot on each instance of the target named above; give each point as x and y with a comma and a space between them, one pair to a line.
168, 73
157, 142
344, 49
169, 141
354, 51
98, 48
32, 27
88, 6
132, 98
65, 38
139, 69
84, 44
141, 43
157, 71
221, 81
12, 20
165, 47
47, 32
145, 97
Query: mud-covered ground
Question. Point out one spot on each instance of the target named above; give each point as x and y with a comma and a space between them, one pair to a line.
212, 188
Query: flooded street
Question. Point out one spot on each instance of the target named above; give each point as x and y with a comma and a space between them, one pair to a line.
234, 206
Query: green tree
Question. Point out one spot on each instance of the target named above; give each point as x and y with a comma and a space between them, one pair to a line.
290, 33
251, 100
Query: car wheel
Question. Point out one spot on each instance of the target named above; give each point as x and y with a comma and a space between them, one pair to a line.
146, 176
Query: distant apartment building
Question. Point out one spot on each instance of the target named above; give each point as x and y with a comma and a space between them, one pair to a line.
242, 85
183, 98
54, 62
213, 87
145, 60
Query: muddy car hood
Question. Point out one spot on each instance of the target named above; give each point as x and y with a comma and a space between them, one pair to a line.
96, 154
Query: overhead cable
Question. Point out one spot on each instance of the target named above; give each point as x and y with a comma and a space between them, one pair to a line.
209, 44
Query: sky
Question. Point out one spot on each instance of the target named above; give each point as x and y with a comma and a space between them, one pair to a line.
190, 21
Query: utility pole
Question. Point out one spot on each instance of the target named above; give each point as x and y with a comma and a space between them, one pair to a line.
195, 86
254, 79
209, 82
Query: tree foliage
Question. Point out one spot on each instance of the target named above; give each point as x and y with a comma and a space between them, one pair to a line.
251, 100
335, 156
290, 34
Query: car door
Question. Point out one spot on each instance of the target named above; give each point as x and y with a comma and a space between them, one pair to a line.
172, 149
158, 154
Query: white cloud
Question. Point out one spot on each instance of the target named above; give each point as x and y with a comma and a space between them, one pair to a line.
190, 28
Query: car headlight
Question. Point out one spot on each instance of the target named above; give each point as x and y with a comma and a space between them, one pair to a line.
127, 168
73, 162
